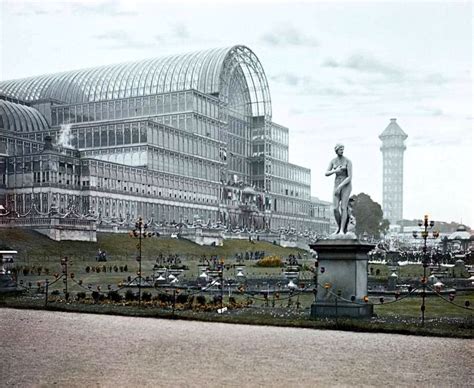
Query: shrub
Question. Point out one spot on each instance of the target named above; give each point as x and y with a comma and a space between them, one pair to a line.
270, 261
164, 298
232, 300
55, 292
88, 269
81, 295
129, 295
114, 296
190, 300
146, 296
125, 268
201, 300
95, 296
182, 299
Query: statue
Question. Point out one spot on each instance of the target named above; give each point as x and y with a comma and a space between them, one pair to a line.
342, 168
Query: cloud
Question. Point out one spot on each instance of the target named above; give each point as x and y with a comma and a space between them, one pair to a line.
365, 63
180, 31
108, 8
177, 34
290, 79
318, 90
433, 141
425, 110
436, 79
306, 85
118, 39
288, 36
35, 9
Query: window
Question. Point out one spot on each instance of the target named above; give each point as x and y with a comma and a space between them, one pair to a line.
126, 134
120, 135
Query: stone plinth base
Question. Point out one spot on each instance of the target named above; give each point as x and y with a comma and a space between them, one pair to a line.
341, 276
350, 310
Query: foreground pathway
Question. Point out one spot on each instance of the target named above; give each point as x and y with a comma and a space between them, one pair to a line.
43, 348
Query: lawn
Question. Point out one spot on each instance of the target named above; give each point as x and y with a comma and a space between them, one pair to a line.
42, 258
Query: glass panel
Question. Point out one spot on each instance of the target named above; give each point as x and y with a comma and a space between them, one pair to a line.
54, 117
103, 137
96, 137
111, 110
135, 133
126, 134
125, 108
167, 103
120, 135
181, 102
133, 111
82, 141
146, 105
182, 122
153, 105
118, 109
79, 114
66, 116
143, 133
159, 104
105, 111
89, 138
174, 102
139, 106
111, 136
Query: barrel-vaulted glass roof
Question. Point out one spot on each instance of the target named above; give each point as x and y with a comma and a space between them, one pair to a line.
20, 118
209, 71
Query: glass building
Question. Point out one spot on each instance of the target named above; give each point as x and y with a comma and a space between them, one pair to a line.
183, 138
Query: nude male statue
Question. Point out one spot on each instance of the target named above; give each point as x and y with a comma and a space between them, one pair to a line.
342, 167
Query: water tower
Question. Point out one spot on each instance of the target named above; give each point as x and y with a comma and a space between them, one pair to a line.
392, 148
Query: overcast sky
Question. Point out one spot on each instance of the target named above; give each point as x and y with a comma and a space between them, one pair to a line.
337, 71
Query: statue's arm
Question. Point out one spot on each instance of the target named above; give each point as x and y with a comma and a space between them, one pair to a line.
330, 170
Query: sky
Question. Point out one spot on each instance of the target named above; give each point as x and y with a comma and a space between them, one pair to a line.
338, 72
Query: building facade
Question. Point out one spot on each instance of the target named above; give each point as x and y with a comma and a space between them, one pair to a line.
186, 138
392, 148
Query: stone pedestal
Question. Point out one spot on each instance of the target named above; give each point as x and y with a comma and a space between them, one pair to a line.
342, 279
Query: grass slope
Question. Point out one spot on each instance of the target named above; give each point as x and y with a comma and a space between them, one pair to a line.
34, 247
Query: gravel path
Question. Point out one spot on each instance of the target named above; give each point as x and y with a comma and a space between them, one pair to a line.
44, 348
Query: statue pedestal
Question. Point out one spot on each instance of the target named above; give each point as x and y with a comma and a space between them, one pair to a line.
342, 279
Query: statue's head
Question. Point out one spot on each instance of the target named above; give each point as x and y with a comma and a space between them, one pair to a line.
339, 148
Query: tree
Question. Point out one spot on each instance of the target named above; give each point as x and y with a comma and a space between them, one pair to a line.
369, 216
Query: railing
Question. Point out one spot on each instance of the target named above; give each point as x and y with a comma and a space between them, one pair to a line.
44, 222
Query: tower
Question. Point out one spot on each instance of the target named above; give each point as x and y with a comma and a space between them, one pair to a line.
392, 149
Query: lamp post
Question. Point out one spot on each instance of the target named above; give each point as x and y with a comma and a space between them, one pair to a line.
140, 232
425, 226
64, 264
